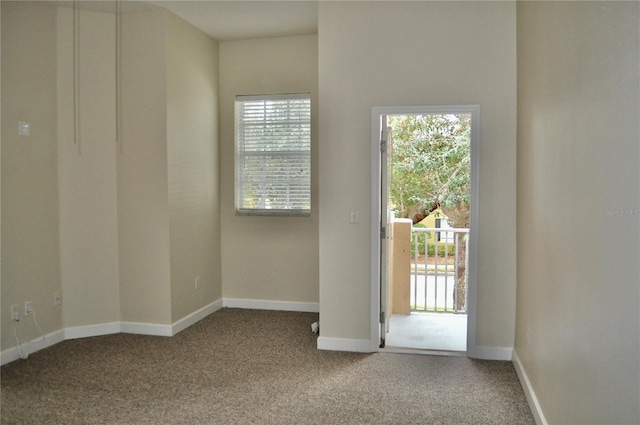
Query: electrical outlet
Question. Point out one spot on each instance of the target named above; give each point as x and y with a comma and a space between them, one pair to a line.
28, 308
57, 299
15, 312
197, 282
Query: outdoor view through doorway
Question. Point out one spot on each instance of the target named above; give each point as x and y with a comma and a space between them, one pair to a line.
426, 183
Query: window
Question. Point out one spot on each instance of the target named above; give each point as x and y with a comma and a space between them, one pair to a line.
273, 154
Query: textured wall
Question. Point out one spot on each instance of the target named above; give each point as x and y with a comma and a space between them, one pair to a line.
578, 203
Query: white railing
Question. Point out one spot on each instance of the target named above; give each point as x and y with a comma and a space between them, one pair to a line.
439, 269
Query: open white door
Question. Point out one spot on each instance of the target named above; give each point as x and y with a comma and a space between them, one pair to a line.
386, 230
382, 229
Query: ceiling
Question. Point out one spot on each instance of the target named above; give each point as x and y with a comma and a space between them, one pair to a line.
240, 19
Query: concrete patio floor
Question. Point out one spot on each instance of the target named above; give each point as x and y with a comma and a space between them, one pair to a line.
428, 331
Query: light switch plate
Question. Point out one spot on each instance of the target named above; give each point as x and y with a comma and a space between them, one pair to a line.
24, 128
354, 216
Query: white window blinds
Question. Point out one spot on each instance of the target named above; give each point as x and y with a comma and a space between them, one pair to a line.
273, 154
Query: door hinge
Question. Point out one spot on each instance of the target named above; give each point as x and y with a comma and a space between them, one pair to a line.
383, 232
383, 146
382, 317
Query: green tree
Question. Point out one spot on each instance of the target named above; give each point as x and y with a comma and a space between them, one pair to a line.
431, 165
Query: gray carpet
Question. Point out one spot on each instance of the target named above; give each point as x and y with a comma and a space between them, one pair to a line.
252, 367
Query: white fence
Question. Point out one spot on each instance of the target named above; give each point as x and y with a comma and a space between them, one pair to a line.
439, 270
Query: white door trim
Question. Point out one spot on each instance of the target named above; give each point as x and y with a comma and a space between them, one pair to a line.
376, 112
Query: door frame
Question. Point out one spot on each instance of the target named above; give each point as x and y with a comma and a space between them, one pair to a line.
376, 217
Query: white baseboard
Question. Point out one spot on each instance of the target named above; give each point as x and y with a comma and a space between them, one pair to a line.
174, 328
117, 327
76, 332
195, 317
345, 344
490, 353
271, 305
534, 405
88, 331
12, 354
145, 329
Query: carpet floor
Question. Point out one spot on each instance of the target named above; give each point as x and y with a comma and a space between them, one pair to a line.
252, 367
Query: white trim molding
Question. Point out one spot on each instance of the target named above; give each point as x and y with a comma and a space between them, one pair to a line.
145, 329
490, 353
12, 354
534, 405
271, 305
87, 331
196, 316
345, 344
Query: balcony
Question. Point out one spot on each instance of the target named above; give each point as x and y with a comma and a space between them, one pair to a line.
427, 276
439, 270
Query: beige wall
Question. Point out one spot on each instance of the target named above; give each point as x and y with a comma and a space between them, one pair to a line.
167, 169
192, 144
1, 258
578, 202
267, 258
118, 228
143, 200
87, 170
413, 53
30, 242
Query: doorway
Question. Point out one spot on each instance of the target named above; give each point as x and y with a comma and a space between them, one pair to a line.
425, 181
